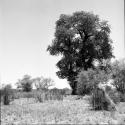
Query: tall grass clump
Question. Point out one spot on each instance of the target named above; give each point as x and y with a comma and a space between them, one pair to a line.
98, 100
101, 101
1, 95
42, 96
55, 94
6, 94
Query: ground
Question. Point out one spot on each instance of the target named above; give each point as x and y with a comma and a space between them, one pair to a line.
71, 110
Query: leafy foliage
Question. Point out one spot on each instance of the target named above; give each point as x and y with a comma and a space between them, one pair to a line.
118, 69
43, 83
25, 83
89, 80
81, 38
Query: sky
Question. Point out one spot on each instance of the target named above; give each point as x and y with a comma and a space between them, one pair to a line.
27, 27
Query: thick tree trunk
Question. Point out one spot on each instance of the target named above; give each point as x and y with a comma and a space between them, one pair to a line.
74, 92
74, 88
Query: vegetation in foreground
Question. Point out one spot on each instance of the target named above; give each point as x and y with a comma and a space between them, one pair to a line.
57, 106
70, 110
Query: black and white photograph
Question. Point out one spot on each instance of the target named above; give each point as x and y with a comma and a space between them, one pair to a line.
62, 62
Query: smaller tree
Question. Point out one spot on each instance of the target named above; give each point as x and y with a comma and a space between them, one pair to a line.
25, 83
43, 83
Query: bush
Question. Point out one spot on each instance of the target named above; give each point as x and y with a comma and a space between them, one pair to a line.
83, 82
88, 80
42, 96
118, 74
6, 94
119, 82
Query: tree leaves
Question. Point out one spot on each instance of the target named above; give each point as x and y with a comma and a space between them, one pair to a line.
81, 38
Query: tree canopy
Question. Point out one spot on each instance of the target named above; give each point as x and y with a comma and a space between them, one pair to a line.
81, 38
25, 83
43, 83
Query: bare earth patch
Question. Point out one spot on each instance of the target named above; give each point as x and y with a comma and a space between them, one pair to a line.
69, 111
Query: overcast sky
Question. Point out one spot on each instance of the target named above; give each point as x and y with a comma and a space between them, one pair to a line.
27, 27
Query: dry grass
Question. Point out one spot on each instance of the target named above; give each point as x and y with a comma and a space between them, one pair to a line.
69, 111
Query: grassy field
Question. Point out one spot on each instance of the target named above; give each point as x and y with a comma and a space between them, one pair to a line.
70, 110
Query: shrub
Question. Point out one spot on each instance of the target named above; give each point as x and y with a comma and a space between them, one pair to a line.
118, 74
84, 86
88, 80
42, 96
6, 94
119, 81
